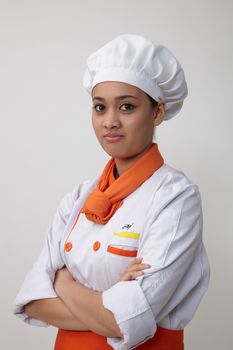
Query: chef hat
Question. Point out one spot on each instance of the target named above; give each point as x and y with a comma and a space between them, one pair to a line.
135, 60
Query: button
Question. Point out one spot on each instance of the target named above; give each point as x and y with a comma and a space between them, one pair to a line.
68, 246
96, 246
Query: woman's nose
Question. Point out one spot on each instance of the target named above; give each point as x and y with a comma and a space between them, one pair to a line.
111, 120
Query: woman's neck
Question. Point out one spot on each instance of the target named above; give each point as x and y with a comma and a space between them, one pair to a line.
123, 164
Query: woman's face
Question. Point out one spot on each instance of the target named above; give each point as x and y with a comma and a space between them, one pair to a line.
124, 119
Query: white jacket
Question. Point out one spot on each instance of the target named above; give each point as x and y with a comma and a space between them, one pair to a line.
162, 221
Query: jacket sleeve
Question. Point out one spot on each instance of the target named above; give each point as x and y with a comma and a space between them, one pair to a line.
38, 283
170, 243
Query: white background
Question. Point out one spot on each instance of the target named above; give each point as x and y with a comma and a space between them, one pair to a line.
47, 144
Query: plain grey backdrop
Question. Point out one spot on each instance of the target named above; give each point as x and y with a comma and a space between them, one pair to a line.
47, 144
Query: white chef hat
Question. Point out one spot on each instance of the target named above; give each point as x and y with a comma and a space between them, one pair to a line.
135, 60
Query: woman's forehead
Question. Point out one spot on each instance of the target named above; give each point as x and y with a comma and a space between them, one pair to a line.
115, 88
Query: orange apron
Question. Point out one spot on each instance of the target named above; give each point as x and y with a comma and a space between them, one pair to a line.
164, 339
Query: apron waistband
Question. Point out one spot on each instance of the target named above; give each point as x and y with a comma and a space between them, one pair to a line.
164, 339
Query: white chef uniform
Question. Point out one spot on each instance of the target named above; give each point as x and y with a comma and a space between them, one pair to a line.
162, 221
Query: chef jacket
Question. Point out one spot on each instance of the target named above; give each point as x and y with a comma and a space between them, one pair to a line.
160, 221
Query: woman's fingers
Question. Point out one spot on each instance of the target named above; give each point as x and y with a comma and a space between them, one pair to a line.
128, 276
137, 267
134, 269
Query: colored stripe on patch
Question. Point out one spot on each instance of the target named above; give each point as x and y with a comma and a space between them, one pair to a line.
122, 252
127, 235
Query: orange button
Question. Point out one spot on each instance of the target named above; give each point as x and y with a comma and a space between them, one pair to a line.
68, 246
96, 246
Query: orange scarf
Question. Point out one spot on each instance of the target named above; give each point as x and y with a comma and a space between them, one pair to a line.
107, 197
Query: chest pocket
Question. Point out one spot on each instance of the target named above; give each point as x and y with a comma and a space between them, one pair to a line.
124, 244
122, 248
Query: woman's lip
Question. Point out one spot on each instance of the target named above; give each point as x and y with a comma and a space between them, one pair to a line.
112, 138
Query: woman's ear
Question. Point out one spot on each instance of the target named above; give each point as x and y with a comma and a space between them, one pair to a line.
159, 113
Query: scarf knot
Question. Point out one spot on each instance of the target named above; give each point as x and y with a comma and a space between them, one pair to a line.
98, 203
108, 196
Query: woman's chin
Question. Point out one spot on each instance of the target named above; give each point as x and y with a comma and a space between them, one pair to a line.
115, 150
119, 154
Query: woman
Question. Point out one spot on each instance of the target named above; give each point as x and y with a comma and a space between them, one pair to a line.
124, 265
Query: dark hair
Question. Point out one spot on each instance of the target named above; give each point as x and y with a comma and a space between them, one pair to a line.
153, 102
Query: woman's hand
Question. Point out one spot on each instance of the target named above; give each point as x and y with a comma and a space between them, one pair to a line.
134, 269
62, 277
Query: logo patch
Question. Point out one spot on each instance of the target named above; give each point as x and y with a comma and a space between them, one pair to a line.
126, 227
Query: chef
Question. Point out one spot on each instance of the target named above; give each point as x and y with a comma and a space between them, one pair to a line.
123, 264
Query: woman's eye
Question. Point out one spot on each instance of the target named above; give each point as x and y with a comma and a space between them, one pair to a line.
99, 108
128, 106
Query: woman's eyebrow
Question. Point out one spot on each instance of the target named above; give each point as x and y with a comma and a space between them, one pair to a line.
116, 98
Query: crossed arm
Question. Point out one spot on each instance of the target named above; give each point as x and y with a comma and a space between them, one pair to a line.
78, 307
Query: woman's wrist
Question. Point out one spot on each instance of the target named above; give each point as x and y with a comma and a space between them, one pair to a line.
63, 278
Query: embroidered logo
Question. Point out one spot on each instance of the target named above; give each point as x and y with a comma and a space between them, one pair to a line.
127, 226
